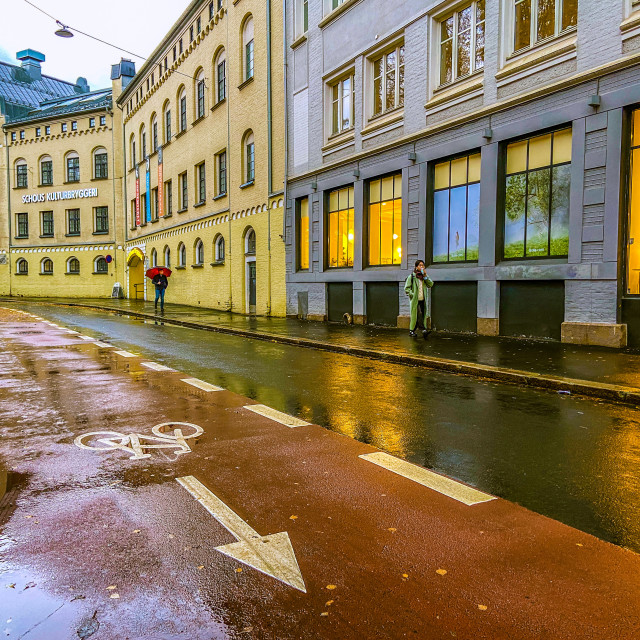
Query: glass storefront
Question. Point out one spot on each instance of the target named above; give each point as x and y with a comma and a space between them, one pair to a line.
633, 222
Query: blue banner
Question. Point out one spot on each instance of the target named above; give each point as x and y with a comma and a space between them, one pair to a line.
148, 198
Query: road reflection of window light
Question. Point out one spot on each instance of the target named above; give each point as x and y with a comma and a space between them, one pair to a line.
395, 236
350, 236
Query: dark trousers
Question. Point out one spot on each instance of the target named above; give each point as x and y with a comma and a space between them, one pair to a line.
420, 317
160, 294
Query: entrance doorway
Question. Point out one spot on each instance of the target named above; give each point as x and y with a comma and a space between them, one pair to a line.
251, 271
251, 286
135, 265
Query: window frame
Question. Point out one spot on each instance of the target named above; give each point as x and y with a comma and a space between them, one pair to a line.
367, 215
74, 271
381, 55
49, 172
101, 219
336, 129
72, 167
76, 221
44, 263
184, 191
219, 249
221, 173
22, 174
303, 241
22, 224
350, 209
100, 168
49, 222
19, 270
97, 265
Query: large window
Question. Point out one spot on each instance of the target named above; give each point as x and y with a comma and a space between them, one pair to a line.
221, 76
47, 224
73, 222
200, 96
168, 198
102, 219
184, 191
21, 174
202, 183
301, 17
222, 173
100, 164
22, 267
462, 42
73, 167
154, 135
100, 265
385, 220
249, 157
183, 111
536, 208
167, 124
633, 222
219, 249
73, 265
47, 266
537, 20
303, 233
388, 81
340, 232
342, 105
247, 42
22, 225
46, 172
456, 208
199, 252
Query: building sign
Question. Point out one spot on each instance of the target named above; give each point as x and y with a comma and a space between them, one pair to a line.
148, 186
160, 211
52, 196
137, 197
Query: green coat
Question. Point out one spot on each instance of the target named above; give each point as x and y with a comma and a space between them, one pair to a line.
411, 289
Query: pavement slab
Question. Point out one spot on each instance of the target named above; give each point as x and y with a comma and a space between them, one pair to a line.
110, 538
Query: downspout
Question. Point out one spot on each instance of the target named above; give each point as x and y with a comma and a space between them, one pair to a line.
229, 172
9, 255
113, 189
286, 119
125, 204
270, 154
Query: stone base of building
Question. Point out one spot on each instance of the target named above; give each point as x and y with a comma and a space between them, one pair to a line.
595, 334
359, 319
404, 322
488, 326
317, 317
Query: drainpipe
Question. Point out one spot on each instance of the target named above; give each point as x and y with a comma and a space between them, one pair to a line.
229, 177
9, 255
270, 153
113, 189
286, 119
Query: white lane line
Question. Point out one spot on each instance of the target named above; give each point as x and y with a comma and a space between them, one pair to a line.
278, 416
272, 554
72, 331
201, 384
126, 354
86, 338
441, 484
156, 366
103, 345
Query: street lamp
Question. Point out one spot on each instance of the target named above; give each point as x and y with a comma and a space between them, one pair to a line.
63, 31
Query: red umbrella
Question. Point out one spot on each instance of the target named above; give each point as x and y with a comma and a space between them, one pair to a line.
154, 271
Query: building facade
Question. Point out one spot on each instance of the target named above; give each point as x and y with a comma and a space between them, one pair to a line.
204, 149
61, 196
495, 139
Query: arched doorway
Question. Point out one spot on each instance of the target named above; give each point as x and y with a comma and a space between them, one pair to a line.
135, 265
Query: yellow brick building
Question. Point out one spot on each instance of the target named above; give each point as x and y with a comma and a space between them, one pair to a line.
204, 151
61, 202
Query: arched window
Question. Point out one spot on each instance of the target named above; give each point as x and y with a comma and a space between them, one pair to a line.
21, 173
47, 266
247, 48
72, 164
250, 243
249, 157
46, 171
182, 104
22, 267
154, 258
154, 133
218, 248
199, 87
100, 163
100, 265
73, 265
132, 150
166, 119
182, 255
143, 142
167, 257
199, 252
220, 70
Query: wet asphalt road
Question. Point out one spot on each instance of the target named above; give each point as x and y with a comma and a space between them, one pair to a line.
572, 459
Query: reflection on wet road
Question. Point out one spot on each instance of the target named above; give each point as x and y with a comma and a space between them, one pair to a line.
572, 459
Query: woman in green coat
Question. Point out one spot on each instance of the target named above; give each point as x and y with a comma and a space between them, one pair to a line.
415, 287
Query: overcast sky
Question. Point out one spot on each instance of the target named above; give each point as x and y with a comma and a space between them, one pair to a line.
136, 25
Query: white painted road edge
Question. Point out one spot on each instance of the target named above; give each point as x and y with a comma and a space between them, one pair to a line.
446, 486
201, 384
277, 416
155, 366
125, 354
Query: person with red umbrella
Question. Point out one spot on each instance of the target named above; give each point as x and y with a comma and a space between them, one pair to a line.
159, 277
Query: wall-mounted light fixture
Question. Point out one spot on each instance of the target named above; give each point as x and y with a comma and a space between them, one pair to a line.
487, 134
594, 101
356, 173
412, 156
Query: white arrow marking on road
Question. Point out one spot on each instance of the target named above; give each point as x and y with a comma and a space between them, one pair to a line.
272, 555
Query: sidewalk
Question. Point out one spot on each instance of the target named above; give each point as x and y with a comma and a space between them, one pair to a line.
593, 371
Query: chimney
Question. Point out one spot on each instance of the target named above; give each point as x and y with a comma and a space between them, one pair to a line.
30, 62
82, 86
125, 69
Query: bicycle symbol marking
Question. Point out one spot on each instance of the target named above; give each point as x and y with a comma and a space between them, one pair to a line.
168, 435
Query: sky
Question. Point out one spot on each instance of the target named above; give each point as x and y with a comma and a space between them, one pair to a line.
136, 25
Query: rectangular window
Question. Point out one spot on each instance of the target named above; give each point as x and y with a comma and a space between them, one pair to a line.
249, 60
22, 176
342, 118
462, 42
222, 77
633, 211
154, 135
13, 136
211, 10
103, 121
388, 81
154, 204
222, 173
46, 168
38, 132
168, 197
167, 125
341, 234
184, 191
144, 145
73, 222
183, 113
47, 130
536, 205
251, 161
202, 183
385, 220
74, 125
22, 225
456, 209
101, 165
198, 25
92, 123
191, 33
174, 54
73, 169
133, 214
143, 209
303, 234
538, 20
200, 93
22, 135
101, 219
153, 79
180, 46
336, 3
47, 224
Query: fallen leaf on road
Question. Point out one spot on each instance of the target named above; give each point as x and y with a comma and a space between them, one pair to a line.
111, 587
247, 629
115, 596
88, 627
136, 531
293, 517
28, 516
201, 567
482, 607
329, 603
441, 572
324, 613
331, 587
11, 586
392, 529
171, 536
239, 570
578, 544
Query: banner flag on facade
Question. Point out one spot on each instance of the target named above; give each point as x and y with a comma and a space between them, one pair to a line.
148, 187
137, 197
160, 185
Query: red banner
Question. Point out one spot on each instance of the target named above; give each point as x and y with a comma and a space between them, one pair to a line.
160, 211
137, 198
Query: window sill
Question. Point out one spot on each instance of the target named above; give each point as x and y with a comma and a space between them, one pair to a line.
250, 183
20, 274
199, 204
72, 273
21, 237
197, 121
197, 266
47, 184
339, 139
46, 274
630, 26
182, 210
72, 182
339, 10
167, 143
180, 133
248, 81
100, 273
48, 236
298, 41
179, 267
168, 215
538, 57
217, 263
21, 188
99, 179
458, 91
219, 103
220, 196
383, 120
153, 153
154, 220
71, 235
100, 233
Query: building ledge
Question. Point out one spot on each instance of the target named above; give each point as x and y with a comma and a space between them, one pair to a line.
197, 266
197, 120
218, 263
180, 133
383, 120
465, 88
250, 183
298, 41
199, 204
219, 196
340, 139
248, 81
182, 210
180, 267
100, 233
218, 104
339, 10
